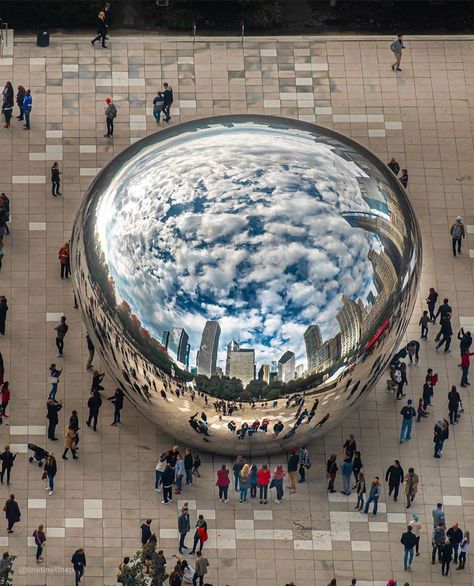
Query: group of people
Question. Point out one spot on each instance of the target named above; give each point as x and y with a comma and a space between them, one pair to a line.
23, 100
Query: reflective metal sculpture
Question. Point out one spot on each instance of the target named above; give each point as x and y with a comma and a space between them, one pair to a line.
246, 278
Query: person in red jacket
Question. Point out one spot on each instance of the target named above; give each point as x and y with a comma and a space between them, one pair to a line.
223, 482
263, 480
465, 364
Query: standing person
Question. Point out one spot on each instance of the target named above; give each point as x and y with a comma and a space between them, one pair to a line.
188, 466
438, 539
222, 483
50, 469
253, 481
401, 379
416, 526
293, 462
55, 179
91, 350
374, 495
40, 540
427, 392
7, 105
158, 102
61, 331
179, 474
465, 341
20, 96
441, 434
12, 512
465, 364
425, 319
431, 301
3, 314
94, 403
145, 531
397, 47
2, 369
411, 486
244, 482
464, 550
184, 527
394, 476
167, 101
159, 469
167, 479
331, 471
263, 479
68, 441
455, 536
446, 557
53, 408
277, 482
7, 459
404, 178
63, 256
457, 234
454, 400
407, 413
117, 400
101, 30
439, 517
446, 333
304, 463
5, 397
346, 472
27, 107
236, 469
361, 490
202, 564
110, 115
54, 374
200, 535
349, 447
408, 540
196, 465
97, 378
394, 166
78, 562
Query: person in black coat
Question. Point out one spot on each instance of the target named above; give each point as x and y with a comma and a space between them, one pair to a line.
3, 314
94, 404
167, 479
53, 407
20, 96
117, 400
8, 100
2, 369
78, 562
167, 101
446, 333
145, 531
446, 557
101, 30
394, 477
12, 512
7, 459
74, 424
454, 399
455, 536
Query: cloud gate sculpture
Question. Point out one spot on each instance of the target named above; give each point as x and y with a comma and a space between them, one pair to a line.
246, 279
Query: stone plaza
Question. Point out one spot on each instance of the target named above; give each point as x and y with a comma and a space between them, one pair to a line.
422, 116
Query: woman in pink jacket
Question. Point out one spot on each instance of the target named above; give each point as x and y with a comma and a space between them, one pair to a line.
223, 482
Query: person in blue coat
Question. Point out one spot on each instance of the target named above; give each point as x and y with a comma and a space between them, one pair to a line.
26, 109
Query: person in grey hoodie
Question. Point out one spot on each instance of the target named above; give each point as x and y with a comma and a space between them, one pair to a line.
184, 527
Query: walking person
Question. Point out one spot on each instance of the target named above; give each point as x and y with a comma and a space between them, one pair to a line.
277, 483
27, 107
12, 513
94, 403
20, 96
74, 425
110, 115
263, 479
184, 527
7, 459
446, 333
244, 482
167, 479
101, 30
397, 47
394, 476
7, 104
464, 550
438, 539
416, 526
54, 374
68, 441
91, 350
361, 489
55, 179
222, 483
97, 378
188, 466
331, 471
145, 531
3, 314
63, 256
346, 472
408, 540
53, 407
441, 434
40, 541
50, 470
200, 535
78, 562
304, 463
446, 557
431, 301
408, 413
167, 101
374, 495
158, 102
293, 462
411, 486
457, 232
443, 310
202, 564
61, 331
236, 469
117, 400
455, 536
5, 397
424, 321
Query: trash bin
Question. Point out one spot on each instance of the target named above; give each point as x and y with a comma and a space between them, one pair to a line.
42, 39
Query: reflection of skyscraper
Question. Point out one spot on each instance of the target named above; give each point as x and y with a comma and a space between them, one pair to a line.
313, 342
231, 347
177, 340
350, 320
299, 371
207, 357
241, 364
264, 373
286, 366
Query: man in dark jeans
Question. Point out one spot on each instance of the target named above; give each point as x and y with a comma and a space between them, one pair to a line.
94, 404
61, 331
446, 332
78, 561
455, 536
394, 477
167, 101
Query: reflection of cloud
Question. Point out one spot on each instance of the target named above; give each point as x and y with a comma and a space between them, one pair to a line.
243, 228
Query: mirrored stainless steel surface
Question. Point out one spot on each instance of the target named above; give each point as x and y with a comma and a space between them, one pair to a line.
246, 279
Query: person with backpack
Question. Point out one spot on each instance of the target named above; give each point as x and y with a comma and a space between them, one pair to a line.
158, 106
396, 47
304, 463
167, 101
110, 115
408, 413
457, 234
